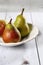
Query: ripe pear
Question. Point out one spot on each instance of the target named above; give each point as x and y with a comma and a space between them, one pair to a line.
11, 34
21, 24
2, 26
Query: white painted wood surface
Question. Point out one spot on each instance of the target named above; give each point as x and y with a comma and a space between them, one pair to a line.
16, 55
38, 20
14, 5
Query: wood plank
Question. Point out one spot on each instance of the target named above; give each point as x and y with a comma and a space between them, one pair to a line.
38, 21
2, 15
16, 55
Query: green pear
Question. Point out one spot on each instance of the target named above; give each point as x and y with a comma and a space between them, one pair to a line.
20, 20
21, 24
30, 26
24, 30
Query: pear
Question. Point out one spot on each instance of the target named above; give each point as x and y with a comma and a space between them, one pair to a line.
11, 34
20, 20
30, 26
21, 24
24, 30
2, 26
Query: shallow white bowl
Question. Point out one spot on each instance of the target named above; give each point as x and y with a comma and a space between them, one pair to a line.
32, 35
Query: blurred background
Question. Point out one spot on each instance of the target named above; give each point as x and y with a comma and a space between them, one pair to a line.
14, 5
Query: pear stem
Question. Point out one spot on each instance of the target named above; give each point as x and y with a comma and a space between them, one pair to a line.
10, 20
22, 11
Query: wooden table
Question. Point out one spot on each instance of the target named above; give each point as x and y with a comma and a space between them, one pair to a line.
32, 50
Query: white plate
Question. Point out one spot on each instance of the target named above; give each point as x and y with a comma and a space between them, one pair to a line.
32, 35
